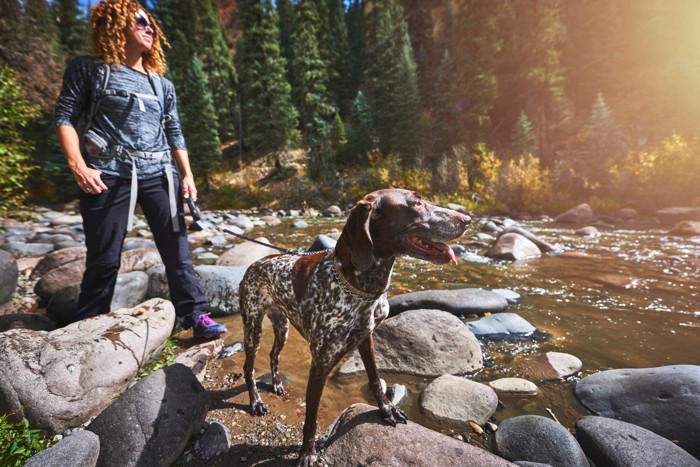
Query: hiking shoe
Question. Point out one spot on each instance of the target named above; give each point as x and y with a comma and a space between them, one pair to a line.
207, 328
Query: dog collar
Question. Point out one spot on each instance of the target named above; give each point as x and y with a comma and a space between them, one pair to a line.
350, 288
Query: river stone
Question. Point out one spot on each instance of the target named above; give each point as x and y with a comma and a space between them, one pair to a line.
132, 243
686, 228
514, 386
665, 400
139, 259
422, 343
55, 238
130, 290
322, 242
457, 301
151, 423
18, 249
23, 305
58, 258
678, 214
59, 379
581, 214
544, 246
588, 231
64, 304
9, 275
548, 366
510, 295
80, 449
246, 253
197, 357
452, 401
66, 275
220, 286
359, 436
534, 438
607, 441
215, 440
33, 321
271, 220
511, 246
299, 224
66, 219
500, 325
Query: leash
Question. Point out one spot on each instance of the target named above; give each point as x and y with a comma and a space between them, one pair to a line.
194, 211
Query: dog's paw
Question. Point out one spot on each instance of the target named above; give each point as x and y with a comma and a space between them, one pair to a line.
258, 408
278, 389
393, 415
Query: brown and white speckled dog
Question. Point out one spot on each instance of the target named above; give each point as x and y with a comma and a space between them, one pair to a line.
336, 298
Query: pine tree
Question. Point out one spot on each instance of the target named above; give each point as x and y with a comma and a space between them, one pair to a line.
287, 21
444, 129
340, 87
524, 139
392, 82
355, 20
72, 26
338, 137
269, 116
310, 90
360, 132
199, 122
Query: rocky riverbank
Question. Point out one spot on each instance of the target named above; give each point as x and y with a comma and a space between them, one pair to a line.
80, 380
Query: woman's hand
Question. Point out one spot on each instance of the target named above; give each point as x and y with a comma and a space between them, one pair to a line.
89, 180
189, 190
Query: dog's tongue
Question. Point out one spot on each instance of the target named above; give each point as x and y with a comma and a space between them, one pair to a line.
447, 251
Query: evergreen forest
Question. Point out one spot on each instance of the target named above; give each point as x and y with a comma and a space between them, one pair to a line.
519, 106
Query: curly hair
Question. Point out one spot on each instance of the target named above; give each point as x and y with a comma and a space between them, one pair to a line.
109, 22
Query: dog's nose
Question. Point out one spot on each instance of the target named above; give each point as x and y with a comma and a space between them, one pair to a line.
465, 220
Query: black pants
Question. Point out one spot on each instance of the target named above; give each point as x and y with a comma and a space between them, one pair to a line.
105, 219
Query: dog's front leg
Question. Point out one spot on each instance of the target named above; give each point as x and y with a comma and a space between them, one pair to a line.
390, 413
314, 390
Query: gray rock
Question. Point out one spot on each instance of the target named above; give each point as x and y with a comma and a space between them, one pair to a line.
510, 295
491, 227
299, 224
132, 243
131, 289
80, 449
18, 249
9, 275
534, 438
686, 229
58, 258
66, 220
151, 423
332, 211
501, 325
66, 275
513, 386
22, 306
360, 437
197, 357
665, 400
246, 253
588, 231
548, 366
422, 343
457, 207
220, 286
242, 222
616, 443
158, 283
627, 214
457, 301
216, 240
511, 246
271, 220
581, 214
64, 304
215, 440
33, 321
322, 242
59, 379
678, 214
451, 402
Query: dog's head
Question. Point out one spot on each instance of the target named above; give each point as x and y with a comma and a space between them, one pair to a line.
387, 223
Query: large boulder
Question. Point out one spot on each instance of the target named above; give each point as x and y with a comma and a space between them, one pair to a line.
534, 438
457, 301
665, 400
359, 436
501, 325
9, 276
246, 254
58, 258
151, 423
59, 379
581, 214
80, 449
220, 286
452, 402
616, 443
686, 229
422, 343
512, 246
548, 366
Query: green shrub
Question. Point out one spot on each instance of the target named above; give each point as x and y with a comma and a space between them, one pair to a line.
522, 185
166, 358
18, 442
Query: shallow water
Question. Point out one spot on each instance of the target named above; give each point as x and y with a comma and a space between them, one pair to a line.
625, 299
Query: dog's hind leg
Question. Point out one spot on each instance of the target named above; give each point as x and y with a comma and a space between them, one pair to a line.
280, 324
390, 413
252, 313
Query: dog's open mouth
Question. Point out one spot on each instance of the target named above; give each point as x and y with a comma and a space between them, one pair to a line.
435, 252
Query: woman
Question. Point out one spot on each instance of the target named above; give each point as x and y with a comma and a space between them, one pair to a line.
132, 132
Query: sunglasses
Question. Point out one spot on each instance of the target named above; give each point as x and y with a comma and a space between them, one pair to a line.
142, 23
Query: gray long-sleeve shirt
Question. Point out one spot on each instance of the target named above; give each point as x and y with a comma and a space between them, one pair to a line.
132, 121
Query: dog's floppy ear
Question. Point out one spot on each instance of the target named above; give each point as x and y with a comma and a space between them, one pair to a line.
359, 238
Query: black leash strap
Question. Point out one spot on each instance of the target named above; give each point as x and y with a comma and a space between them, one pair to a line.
194, 211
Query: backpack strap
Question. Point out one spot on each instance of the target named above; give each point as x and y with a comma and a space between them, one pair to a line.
97, 97
158, 89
